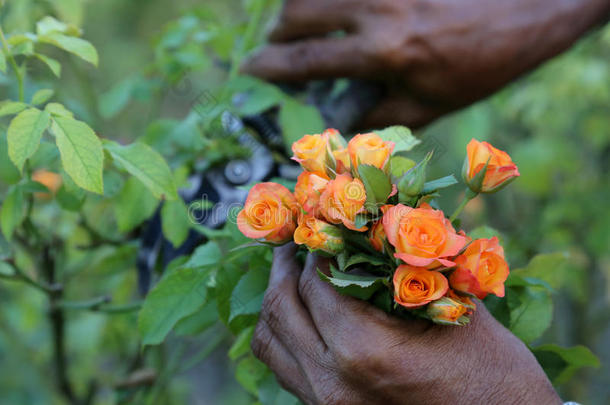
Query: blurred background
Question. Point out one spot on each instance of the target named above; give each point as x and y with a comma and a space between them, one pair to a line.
157, 57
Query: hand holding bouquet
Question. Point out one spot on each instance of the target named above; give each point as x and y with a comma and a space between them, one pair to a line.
368, 206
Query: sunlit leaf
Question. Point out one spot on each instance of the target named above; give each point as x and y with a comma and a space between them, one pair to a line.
24, 135
81, 152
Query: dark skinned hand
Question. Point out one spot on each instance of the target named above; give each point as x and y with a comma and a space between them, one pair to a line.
433, 56
330, 349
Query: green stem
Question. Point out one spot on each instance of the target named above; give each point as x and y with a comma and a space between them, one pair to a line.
11, 59
21, 275
239, 54
467, 197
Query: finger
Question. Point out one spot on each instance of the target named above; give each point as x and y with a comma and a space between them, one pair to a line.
306, 18
268, 349
311, 59
284, 312
403, 110
335, 315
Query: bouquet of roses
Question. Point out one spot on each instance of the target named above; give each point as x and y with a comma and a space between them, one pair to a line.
368, 206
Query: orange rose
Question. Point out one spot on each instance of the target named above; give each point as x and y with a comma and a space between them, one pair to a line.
318, 235
308, 189
50, 180
481, 269
335, 139
447, 311
414, 286
342, 161
377, 236
313, 153
369, 149
270, 213
422, 236
342, 200
500, 170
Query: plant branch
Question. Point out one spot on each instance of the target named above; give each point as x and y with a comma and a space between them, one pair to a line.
11, 60
469, 195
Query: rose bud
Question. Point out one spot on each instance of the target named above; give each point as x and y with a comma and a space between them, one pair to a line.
414, 286
335, 139
270, 213
318, 235
50, 180
342, 200
341, 157
307, 191
377, 236
369, 149
447, 311
481, 269
422, 236
487, 169
462, 299
313, 153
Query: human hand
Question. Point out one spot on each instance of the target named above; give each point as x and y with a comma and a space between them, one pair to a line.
433, 56
331, 349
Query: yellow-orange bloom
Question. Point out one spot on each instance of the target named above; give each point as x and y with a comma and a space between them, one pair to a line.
342, 161
318, 235
414, 286
50, 180
447, 311
270, 213
313, 153
308, 189
377, 236
481, 269
342, 200
500, 167
422, 236
369, 149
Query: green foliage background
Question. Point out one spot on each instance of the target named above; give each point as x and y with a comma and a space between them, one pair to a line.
156, 58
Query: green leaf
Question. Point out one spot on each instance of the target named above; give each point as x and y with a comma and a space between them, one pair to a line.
401, 136
81, 153
12, 212
205, 255
134, 204
249, 372
69, 196
48, 25
114, 100
175, 221
443, 182
377, 186
31, 186
199, 321
361, 220
8, 172
362, 287
6, 270
176, 296
58, 110
531, 312
143, 162
485, 232
270, 393
2, 62
550, 267
247, 297
259, 95
76, 46
241, 345
24, 135
560, 363
363, 258
11, 107
399, 165
42, 96
51, 63
297, 119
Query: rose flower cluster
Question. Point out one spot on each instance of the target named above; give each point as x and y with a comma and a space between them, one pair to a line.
371, 209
